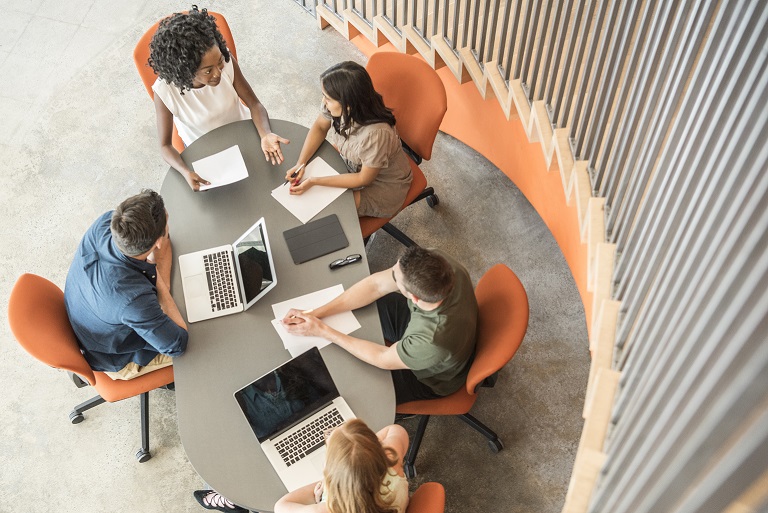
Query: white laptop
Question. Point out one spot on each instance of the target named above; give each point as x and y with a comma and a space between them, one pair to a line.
216, 283
290, 410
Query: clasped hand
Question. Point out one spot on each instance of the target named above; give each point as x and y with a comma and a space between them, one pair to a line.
297, 322
294, 177
318, 492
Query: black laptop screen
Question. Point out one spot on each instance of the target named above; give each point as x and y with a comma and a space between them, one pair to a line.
253, 254
286, 395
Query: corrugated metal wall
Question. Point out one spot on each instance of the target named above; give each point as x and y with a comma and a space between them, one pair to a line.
688, 196
667, 102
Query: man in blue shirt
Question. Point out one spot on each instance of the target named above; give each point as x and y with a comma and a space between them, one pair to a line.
117, 291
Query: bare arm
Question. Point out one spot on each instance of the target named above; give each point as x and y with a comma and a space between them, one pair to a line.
366, 176
167, 303
301, 500
169, 153
371, 353
315, 138
163, 258
396, 438
383, 357
362, 293
270, 142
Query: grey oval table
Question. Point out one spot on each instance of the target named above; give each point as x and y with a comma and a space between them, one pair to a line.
229, 352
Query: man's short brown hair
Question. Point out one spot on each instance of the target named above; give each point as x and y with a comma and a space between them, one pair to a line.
426, 274
138, 222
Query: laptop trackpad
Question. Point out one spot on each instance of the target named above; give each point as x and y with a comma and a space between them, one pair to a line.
318, 460
196, 286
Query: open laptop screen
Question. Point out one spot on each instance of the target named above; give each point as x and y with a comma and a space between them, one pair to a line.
286, 395
256, 271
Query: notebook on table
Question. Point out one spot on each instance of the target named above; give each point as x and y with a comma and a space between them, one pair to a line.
290, 409
228, 279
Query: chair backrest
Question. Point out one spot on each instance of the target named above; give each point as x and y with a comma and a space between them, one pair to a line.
39, 321
501, 324
416, 95
428, 498
141, 52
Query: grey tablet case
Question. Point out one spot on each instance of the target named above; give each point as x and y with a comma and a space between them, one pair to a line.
315, 239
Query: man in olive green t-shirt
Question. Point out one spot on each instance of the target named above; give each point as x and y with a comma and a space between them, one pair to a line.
427, 308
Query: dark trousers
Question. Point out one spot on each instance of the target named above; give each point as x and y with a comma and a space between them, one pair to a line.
395, 316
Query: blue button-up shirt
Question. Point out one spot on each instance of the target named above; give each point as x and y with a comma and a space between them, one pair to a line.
112, 303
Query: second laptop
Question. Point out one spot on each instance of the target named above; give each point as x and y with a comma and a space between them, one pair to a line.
216, 283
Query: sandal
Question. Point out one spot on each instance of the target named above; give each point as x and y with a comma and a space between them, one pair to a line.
211, 499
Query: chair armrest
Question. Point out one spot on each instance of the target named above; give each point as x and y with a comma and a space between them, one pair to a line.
411, 153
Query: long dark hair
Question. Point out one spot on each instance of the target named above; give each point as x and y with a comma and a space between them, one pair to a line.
179, 44
349, 84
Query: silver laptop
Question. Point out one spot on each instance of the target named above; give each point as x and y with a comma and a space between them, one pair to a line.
291, 409
228, 279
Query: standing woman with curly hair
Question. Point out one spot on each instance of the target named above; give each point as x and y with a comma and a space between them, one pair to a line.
364, 133
363, 474
199, 87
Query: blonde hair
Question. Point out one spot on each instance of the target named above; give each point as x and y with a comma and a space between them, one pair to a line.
356, 465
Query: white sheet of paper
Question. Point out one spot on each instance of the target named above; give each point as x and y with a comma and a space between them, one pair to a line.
308, 205
222, 168
345, 322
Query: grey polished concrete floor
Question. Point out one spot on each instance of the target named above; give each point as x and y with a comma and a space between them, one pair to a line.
78, 136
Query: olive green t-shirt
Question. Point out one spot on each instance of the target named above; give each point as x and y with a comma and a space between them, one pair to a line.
438, 345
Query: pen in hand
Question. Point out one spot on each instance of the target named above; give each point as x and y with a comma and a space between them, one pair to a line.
305, 312
293, 175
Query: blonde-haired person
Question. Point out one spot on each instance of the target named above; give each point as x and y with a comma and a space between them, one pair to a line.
363, 474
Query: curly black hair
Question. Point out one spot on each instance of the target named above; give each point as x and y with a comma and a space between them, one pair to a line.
179, 44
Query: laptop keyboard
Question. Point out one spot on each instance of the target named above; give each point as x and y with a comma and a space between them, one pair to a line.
221, 282
309, 437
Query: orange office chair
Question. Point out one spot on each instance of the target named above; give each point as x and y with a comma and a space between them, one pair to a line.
501, 325
39, 321
416, 95
147, 74
428, 498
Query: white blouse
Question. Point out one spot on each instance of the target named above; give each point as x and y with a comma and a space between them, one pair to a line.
198, 111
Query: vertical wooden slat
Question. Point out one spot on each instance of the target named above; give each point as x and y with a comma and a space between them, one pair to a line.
558, 99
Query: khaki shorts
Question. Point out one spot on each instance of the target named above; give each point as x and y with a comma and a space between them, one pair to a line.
134, 370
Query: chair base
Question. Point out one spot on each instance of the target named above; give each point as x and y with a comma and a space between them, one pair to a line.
397, 234
432, 200
78, 410
76, 417
494, 442
77, 380
409, 464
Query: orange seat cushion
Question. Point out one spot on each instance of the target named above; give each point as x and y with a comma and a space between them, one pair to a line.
368, 225
117, 389
457, 403
501, 326
39, 321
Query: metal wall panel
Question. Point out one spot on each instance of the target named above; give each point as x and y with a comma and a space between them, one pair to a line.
668, 104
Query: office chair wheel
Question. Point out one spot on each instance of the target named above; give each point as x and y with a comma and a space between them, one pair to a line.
433, 200
143, 456
495, 445
76, 417
409, 470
